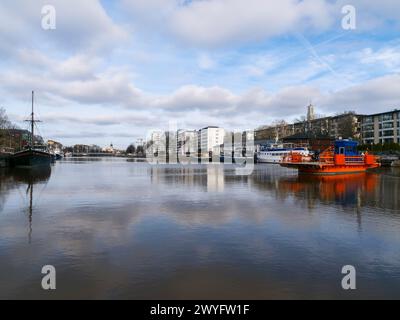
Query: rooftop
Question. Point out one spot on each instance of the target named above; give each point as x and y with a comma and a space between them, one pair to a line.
382, 113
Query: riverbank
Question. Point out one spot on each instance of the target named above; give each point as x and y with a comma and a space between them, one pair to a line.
388, 160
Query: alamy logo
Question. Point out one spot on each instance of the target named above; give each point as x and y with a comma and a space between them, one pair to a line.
49, 280
349, 281
349, 21
49, 17
209, 145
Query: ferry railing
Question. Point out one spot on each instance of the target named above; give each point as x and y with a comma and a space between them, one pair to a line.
354, 159
327, 156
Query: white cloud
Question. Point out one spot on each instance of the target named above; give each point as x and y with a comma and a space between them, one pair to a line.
389, 57
377, 95
115, 88
217, 23
191, 97
79, 25
220, 22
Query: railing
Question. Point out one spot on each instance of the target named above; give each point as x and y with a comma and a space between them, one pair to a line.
327, 156
354, 159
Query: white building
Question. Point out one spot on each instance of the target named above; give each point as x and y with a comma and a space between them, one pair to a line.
109, 149
156, 137
187, 143
210, 137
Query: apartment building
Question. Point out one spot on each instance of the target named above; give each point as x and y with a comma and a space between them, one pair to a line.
157, 139
209, 138
381, 128
346, 125
54, 145
187, 142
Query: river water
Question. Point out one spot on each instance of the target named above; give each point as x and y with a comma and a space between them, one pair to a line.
114, 228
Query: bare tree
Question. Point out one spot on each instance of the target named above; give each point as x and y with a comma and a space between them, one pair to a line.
301, 119
4, 122
346, 126
282, 129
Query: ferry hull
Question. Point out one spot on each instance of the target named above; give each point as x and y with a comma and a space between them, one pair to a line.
328, 169
31, 158
263, 160
333, 171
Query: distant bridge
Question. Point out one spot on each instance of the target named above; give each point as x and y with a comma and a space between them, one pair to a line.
102, 154
94, 154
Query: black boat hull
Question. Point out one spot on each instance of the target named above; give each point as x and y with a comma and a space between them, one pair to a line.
31, 158
4, 160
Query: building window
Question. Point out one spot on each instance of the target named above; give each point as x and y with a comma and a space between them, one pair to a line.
368, 127
386, 117
368, 135
368, 120
386, 125
386, 133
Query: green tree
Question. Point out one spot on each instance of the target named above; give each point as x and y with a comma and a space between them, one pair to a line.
131, 149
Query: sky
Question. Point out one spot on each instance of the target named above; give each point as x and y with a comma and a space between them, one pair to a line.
113, 71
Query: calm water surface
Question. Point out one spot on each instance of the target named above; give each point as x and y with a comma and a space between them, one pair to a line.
119, 229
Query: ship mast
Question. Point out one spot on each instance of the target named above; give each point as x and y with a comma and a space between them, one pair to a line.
32, 123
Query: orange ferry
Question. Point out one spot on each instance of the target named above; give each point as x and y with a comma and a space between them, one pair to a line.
341, 158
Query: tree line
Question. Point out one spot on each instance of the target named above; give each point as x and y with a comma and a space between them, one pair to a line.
7, 140
135, 150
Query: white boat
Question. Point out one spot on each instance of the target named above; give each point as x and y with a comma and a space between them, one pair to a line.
396, 164
56, 153
274, 153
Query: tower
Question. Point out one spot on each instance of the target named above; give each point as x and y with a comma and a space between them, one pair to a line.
310, 113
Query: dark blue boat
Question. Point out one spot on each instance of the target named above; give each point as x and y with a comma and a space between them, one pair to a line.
33, 155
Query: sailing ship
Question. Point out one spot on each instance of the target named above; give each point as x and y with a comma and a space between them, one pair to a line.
33, 155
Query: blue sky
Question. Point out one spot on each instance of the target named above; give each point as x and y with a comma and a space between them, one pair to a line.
112, 71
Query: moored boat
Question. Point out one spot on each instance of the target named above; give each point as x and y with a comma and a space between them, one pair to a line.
274, 153
33, 155
342, 158
56, 153
5, 156
396, 164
